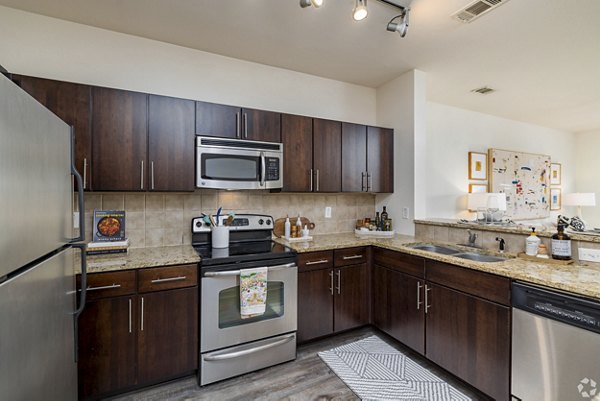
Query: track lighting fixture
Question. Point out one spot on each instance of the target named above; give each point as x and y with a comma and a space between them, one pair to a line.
360, 11
397, 24
401, 26
308, 3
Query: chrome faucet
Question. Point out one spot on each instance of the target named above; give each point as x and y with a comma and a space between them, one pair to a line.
501, 244
472, 238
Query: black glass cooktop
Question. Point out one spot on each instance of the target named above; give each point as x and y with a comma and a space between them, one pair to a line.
242, 252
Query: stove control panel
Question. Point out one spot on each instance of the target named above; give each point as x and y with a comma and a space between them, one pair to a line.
241, 222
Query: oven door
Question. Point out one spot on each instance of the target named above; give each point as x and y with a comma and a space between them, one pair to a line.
235, 168
222, 325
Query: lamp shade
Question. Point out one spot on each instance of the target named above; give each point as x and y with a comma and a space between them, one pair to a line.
480, 200
580, 199
496, 201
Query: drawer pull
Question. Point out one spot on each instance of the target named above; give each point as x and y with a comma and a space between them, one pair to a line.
352, 257
104, 287
317, 262
165, 280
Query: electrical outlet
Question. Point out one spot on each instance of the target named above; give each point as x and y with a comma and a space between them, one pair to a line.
591, 255
327, 212
405, 213
75, 219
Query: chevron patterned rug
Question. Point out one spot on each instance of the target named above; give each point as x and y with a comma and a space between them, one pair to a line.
376, 371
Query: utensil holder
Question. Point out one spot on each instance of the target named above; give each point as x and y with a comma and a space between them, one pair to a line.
220, 237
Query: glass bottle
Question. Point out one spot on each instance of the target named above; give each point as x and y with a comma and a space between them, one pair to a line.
384, 214
561, 244
377, 221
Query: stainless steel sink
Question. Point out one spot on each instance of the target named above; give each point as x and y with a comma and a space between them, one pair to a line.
436, 249
479, 257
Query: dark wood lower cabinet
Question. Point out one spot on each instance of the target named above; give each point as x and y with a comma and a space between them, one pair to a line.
168, 315
406, 317
470, 338
107, 347
351, 307
315, 304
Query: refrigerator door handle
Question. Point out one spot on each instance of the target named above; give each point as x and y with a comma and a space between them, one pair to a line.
74, 171
82, 294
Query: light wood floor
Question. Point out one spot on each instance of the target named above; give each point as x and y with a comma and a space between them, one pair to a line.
306, 378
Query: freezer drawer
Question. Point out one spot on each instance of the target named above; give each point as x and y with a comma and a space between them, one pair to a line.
37, 349
234, 361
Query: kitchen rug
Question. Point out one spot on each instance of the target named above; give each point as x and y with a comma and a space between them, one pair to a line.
376, 371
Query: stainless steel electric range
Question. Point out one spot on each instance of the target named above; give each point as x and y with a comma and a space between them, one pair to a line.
230, 345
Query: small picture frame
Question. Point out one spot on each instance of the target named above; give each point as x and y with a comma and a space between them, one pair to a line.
555, 198
477, 188
478, 166
555, 173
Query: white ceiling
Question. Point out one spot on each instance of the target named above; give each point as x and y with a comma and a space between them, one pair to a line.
542, 56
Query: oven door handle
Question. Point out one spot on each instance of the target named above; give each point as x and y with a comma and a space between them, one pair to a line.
228, 273
237, 354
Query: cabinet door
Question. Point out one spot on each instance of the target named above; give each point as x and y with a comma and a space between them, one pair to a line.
260, 125
380, 159
406, 310
297, 138
168, 334
71, 103
171, 145
354, 157
351, 297
107, 347
218, 120
380, 308
327, 155
119, 127
470, 338
315, 304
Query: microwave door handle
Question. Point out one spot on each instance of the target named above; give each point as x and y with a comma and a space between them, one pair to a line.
263, 168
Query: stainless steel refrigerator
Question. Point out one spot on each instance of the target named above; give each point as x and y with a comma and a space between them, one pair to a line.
38, 299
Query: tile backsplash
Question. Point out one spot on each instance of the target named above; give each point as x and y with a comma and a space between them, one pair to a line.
155, 219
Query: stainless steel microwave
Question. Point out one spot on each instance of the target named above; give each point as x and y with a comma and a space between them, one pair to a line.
224, 163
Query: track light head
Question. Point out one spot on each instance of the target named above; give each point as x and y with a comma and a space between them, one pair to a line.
400, 27
360, 11
308, 3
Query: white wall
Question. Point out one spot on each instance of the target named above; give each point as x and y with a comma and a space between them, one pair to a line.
51, 48
401, 105
587, 149
453, 132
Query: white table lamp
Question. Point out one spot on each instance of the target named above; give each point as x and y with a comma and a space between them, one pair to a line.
580, 199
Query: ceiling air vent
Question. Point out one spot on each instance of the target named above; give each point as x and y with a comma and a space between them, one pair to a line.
476, 9
483, 90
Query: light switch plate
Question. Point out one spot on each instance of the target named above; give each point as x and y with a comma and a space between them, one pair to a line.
328, 212
405, 213
591, 255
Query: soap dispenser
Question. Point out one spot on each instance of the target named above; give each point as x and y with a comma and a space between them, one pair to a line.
532, 243
287, 227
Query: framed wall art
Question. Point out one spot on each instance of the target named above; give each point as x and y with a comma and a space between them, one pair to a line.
555, 173
555, 199
477, 166
477, 188
524, 178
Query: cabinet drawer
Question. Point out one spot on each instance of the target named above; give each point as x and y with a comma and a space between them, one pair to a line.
109, 284
315, 261
167, 278
481, 284
350, 256
402, 262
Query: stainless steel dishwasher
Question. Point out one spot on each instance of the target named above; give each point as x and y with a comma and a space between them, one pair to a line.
555, 345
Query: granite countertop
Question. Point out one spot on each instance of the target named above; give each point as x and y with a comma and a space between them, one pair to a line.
138, 258
579, 279
521, 228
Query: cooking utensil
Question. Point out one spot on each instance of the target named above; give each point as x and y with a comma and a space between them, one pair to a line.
219, 214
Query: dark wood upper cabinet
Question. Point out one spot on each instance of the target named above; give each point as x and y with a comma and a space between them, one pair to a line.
380, 159
354, 157
297, 138
327, 155
119, 128
171, 145
235, 122
71, 103
260, 125
168, 315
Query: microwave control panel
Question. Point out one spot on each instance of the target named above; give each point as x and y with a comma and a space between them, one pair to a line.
272, 168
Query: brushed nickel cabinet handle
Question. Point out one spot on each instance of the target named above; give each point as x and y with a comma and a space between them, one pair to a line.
246, 125
130, 325
104, 287
368, 182
352, 257
84, 173
427, 305
419, 303
237, 124
331, 284
362, 181
311, 180
317, 262
339, 281
165, 280
142, 318
152, 174
318, 180
142, 176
